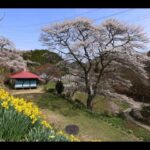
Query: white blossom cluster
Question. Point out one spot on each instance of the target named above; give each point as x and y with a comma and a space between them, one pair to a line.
12, 60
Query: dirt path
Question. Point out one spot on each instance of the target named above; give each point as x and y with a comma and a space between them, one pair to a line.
127, 111
137, 105
133, 105
27, 91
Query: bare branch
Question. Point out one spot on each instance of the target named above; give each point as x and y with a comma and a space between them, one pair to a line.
93, 48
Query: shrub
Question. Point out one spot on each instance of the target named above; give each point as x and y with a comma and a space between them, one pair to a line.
59, 87
146, 111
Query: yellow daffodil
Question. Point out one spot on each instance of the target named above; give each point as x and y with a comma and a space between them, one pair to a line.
29, 109
5, 104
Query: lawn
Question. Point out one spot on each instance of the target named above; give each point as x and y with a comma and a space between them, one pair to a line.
61, 112
49, 85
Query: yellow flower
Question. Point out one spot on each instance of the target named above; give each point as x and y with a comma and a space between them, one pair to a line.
47, 125
34, 120
73, 138
5, 104
29, 109
60, 132
19, 109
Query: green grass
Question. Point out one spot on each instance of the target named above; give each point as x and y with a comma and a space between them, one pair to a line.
123, 105
138, 131
60, 112
101, 103
50, 85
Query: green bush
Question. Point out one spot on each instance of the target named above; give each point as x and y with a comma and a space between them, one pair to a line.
59, 87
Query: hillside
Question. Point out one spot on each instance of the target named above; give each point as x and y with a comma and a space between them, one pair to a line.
137, 79
41, 56
61, 112
130, 78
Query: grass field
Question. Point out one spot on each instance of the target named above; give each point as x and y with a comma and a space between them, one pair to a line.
61, 112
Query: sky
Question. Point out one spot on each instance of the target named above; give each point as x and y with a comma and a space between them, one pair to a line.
23, 26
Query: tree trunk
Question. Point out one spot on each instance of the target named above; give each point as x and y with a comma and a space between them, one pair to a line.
89, 101
90, 97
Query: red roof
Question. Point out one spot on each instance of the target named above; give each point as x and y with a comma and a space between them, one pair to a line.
44, 67
24, 75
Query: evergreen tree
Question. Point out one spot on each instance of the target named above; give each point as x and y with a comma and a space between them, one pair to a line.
59, 87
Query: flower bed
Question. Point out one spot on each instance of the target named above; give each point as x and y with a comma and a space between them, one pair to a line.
22, 121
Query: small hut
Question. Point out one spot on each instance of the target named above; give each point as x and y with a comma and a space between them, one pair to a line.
24, 79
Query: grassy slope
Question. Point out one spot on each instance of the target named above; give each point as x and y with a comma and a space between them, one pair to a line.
101, 103
61, 113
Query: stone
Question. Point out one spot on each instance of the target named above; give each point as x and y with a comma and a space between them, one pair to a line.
72, 129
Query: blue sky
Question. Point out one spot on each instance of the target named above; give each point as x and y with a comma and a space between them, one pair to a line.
23, 26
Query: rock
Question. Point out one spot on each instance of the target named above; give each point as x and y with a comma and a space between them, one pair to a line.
114, 108
137, 114
72, 129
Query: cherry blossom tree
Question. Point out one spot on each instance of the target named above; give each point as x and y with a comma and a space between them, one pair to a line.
93, 47
5, 43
